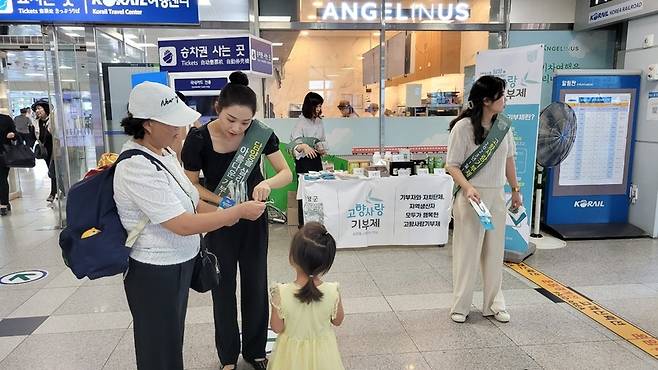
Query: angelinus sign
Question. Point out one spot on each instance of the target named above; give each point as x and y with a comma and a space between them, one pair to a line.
393, 11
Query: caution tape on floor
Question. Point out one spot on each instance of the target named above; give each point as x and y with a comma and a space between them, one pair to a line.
591, 309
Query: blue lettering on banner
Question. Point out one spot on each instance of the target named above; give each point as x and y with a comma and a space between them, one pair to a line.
199, 84
100, 11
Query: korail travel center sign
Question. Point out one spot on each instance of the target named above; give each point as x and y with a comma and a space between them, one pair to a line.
161, 12
393, 11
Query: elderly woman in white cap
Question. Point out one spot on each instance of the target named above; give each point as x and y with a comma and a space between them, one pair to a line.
162, 259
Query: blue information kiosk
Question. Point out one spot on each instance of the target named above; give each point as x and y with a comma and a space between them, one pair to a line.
588, 194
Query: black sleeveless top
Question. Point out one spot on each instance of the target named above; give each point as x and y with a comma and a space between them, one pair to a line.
198, 155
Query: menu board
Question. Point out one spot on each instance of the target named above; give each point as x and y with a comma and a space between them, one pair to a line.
598, 156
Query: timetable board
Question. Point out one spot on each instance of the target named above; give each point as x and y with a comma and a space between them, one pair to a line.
591, 186
599, 153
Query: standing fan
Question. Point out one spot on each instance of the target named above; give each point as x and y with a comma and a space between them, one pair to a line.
557, 133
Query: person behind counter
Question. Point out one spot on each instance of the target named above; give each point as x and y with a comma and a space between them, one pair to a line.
373, 109
346, 109
213, 149
308, 140
474, 246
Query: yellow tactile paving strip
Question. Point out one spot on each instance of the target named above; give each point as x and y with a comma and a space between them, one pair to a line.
591, 309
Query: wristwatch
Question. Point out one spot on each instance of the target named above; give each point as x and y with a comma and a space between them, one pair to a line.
516, 189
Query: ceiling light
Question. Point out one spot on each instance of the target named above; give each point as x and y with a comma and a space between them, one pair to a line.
317, 4
65, 67
34, 74
360, 58
304, 33
73, 28
277, 44
275, 59
347, 68
68, 80
376, 33
204, 3
312, 17
271, 18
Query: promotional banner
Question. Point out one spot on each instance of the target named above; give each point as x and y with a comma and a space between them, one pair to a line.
522, 69
411, 210
227, 54
160, 12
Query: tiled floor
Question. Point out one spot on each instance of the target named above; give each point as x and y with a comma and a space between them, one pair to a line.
397, 301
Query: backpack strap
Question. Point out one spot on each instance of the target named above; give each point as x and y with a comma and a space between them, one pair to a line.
134, 234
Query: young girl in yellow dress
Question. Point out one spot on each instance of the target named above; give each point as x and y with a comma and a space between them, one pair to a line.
304, 311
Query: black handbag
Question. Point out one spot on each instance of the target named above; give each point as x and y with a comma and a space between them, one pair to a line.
18, 155
205, 276
40, 151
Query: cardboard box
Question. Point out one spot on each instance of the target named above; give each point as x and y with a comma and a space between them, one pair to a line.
292, 199
293, 216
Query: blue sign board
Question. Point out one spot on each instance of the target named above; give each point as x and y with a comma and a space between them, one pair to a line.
261, 56
592, 185
240, 53
159, 77
200, 84
159, 12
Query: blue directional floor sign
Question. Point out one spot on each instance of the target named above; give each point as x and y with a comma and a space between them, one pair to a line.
22, 277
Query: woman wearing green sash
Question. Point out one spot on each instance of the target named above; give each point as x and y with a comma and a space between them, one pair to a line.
480, 175
228, 151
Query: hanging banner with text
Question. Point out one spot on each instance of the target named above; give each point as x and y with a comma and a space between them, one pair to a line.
398, 210
227, 54
522, 69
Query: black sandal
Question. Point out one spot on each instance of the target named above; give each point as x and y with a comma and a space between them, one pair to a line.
258, 364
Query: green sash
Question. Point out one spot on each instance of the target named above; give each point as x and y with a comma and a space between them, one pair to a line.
243, 163
481, 156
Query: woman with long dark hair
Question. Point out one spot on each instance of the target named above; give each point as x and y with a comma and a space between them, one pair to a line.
221, 149
472, 244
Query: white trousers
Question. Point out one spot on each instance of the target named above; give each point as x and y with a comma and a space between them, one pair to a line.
472, 246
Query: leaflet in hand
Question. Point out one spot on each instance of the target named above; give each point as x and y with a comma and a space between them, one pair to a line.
483, 213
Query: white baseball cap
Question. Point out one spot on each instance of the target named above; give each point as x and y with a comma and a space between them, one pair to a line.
150, 100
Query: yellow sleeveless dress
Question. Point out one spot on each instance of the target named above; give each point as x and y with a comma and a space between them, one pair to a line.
308, 341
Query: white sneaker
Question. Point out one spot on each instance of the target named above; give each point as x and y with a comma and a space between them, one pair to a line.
458, 318
502, 316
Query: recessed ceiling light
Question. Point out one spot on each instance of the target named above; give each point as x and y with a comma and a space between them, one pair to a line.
275, 59
65, 67
68, 80
277, 44
317, 4
73, 28
271, 18
34, 74
347, 68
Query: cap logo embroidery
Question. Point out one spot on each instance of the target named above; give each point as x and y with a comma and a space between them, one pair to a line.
168, 101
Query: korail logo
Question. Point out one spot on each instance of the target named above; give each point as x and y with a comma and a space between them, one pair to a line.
584, 203
6, 7
167, 56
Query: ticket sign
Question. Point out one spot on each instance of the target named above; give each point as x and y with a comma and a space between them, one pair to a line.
178, 12
240, 53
